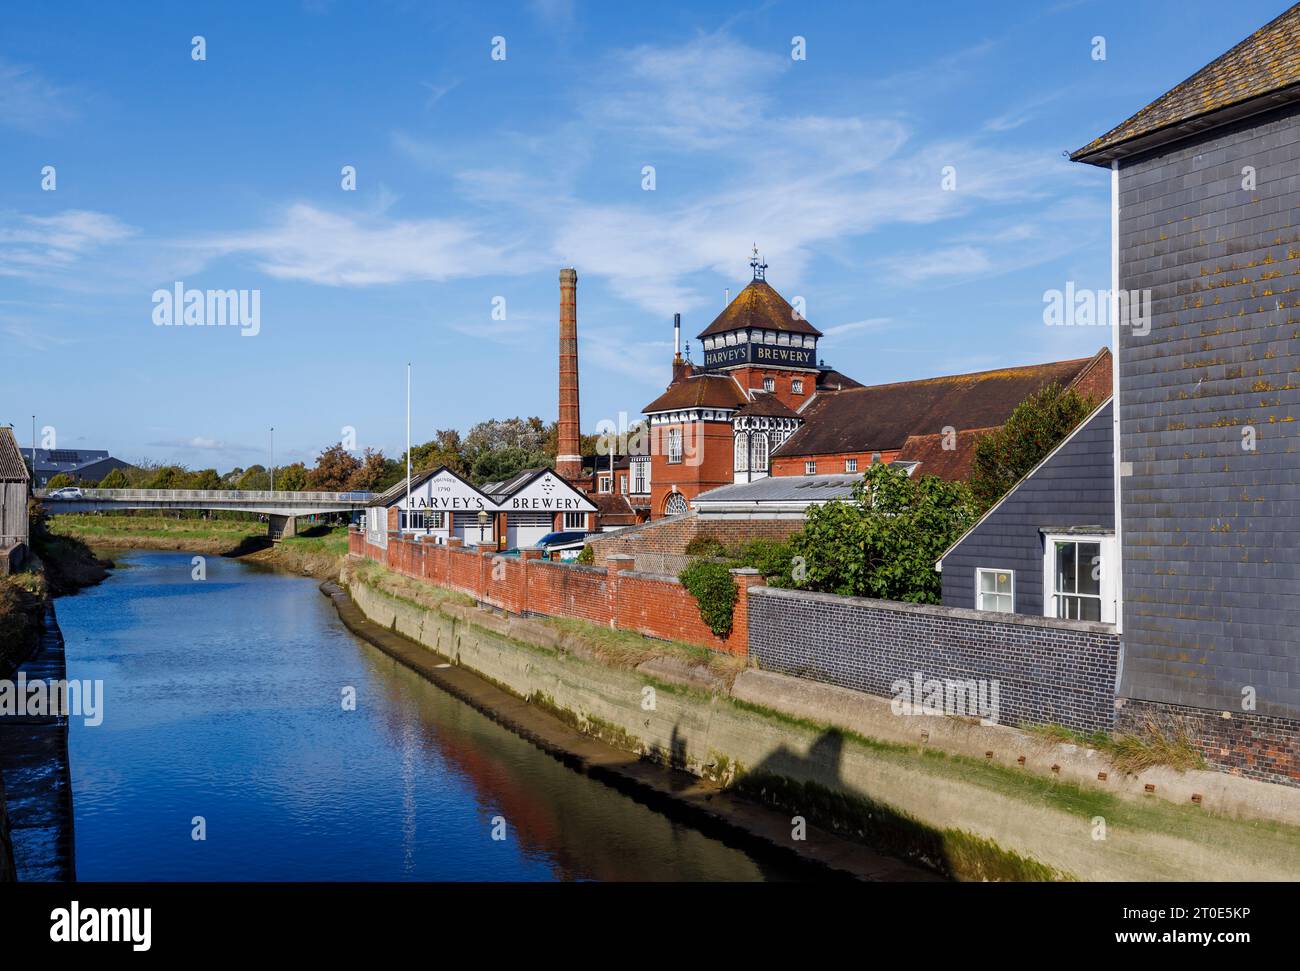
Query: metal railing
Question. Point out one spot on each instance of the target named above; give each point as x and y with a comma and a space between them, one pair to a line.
216, 495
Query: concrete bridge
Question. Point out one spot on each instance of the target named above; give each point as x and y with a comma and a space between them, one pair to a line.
280, 508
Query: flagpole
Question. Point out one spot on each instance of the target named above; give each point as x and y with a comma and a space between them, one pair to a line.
408, 442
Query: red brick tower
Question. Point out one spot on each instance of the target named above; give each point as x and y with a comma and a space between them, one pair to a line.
568, 460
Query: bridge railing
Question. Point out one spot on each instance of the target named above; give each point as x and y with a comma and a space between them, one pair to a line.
219, 495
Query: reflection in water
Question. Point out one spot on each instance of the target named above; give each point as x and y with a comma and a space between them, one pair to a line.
223, 702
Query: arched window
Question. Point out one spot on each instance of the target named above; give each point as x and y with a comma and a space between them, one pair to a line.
758, 453
676, 505
742, 452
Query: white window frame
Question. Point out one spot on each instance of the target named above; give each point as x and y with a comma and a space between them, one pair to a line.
979, 593
850, 465
1106, 580
758, 452
810, 467
769, 384
796, 386
604, 485
740, 453
669, 502
574, 521
674, 446
640, 477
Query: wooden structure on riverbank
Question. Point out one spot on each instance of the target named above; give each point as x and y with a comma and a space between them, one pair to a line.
13, 503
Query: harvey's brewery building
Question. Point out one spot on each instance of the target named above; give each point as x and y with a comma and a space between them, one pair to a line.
510, 514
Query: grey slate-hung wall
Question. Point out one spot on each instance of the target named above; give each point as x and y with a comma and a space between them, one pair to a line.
1074, 487
1211, 530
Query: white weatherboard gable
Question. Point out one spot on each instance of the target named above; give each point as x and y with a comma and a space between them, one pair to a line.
547, 493
445, 492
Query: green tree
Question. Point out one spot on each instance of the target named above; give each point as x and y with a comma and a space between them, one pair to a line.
205, 479
1039, 423
291, 478
59, 481
445, 448
334, 467
370, 472
115, 480
253, 479
884, 540
494, 465
169, 477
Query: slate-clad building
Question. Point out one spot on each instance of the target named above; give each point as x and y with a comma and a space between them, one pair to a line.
79, 464
1047, 548
1206, 215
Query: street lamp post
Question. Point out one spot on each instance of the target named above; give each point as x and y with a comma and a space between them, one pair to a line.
271, 459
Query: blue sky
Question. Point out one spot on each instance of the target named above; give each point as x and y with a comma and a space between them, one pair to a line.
480, 178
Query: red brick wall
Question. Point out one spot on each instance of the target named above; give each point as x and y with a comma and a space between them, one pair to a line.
829, 464
751, 379
610, 595
713, 442
1095, 382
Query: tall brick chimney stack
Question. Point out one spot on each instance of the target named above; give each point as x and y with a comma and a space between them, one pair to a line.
568, 460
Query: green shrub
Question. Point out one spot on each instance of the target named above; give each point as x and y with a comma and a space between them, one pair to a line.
59, 481
770, 557
705, 546
711, 585
883, 541
587, 556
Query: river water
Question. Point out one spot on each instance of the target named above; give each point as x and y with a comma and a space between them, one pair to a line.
223, 700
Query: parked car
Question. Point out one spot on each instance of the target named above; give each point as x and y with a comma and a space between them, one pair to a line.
564, 545
66, 494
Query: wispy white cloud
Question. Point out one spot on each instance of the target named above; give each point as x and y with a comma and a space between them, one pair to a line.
693, 95
33, 336
311, 244
200, 443
953, 262
29, 102
841, 331
35, 246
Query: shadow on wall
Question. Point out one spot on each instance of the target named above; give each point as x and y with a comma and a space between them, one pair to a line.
812, 787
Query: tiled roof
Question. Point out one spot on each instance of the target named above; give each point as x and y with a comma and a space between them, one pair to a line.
881, 418
613, 510
832, 380
1266, 62
12, 466
768, 406
759, 306
699, 391
929, 453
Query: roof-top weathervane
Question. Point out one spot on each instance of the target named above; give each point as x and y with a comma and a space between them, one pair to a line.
759, 267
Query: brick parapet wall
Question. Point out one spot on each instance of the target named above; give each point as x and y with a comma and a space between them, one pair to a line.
660, 546
1061, 672
1264, 747
611, 595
